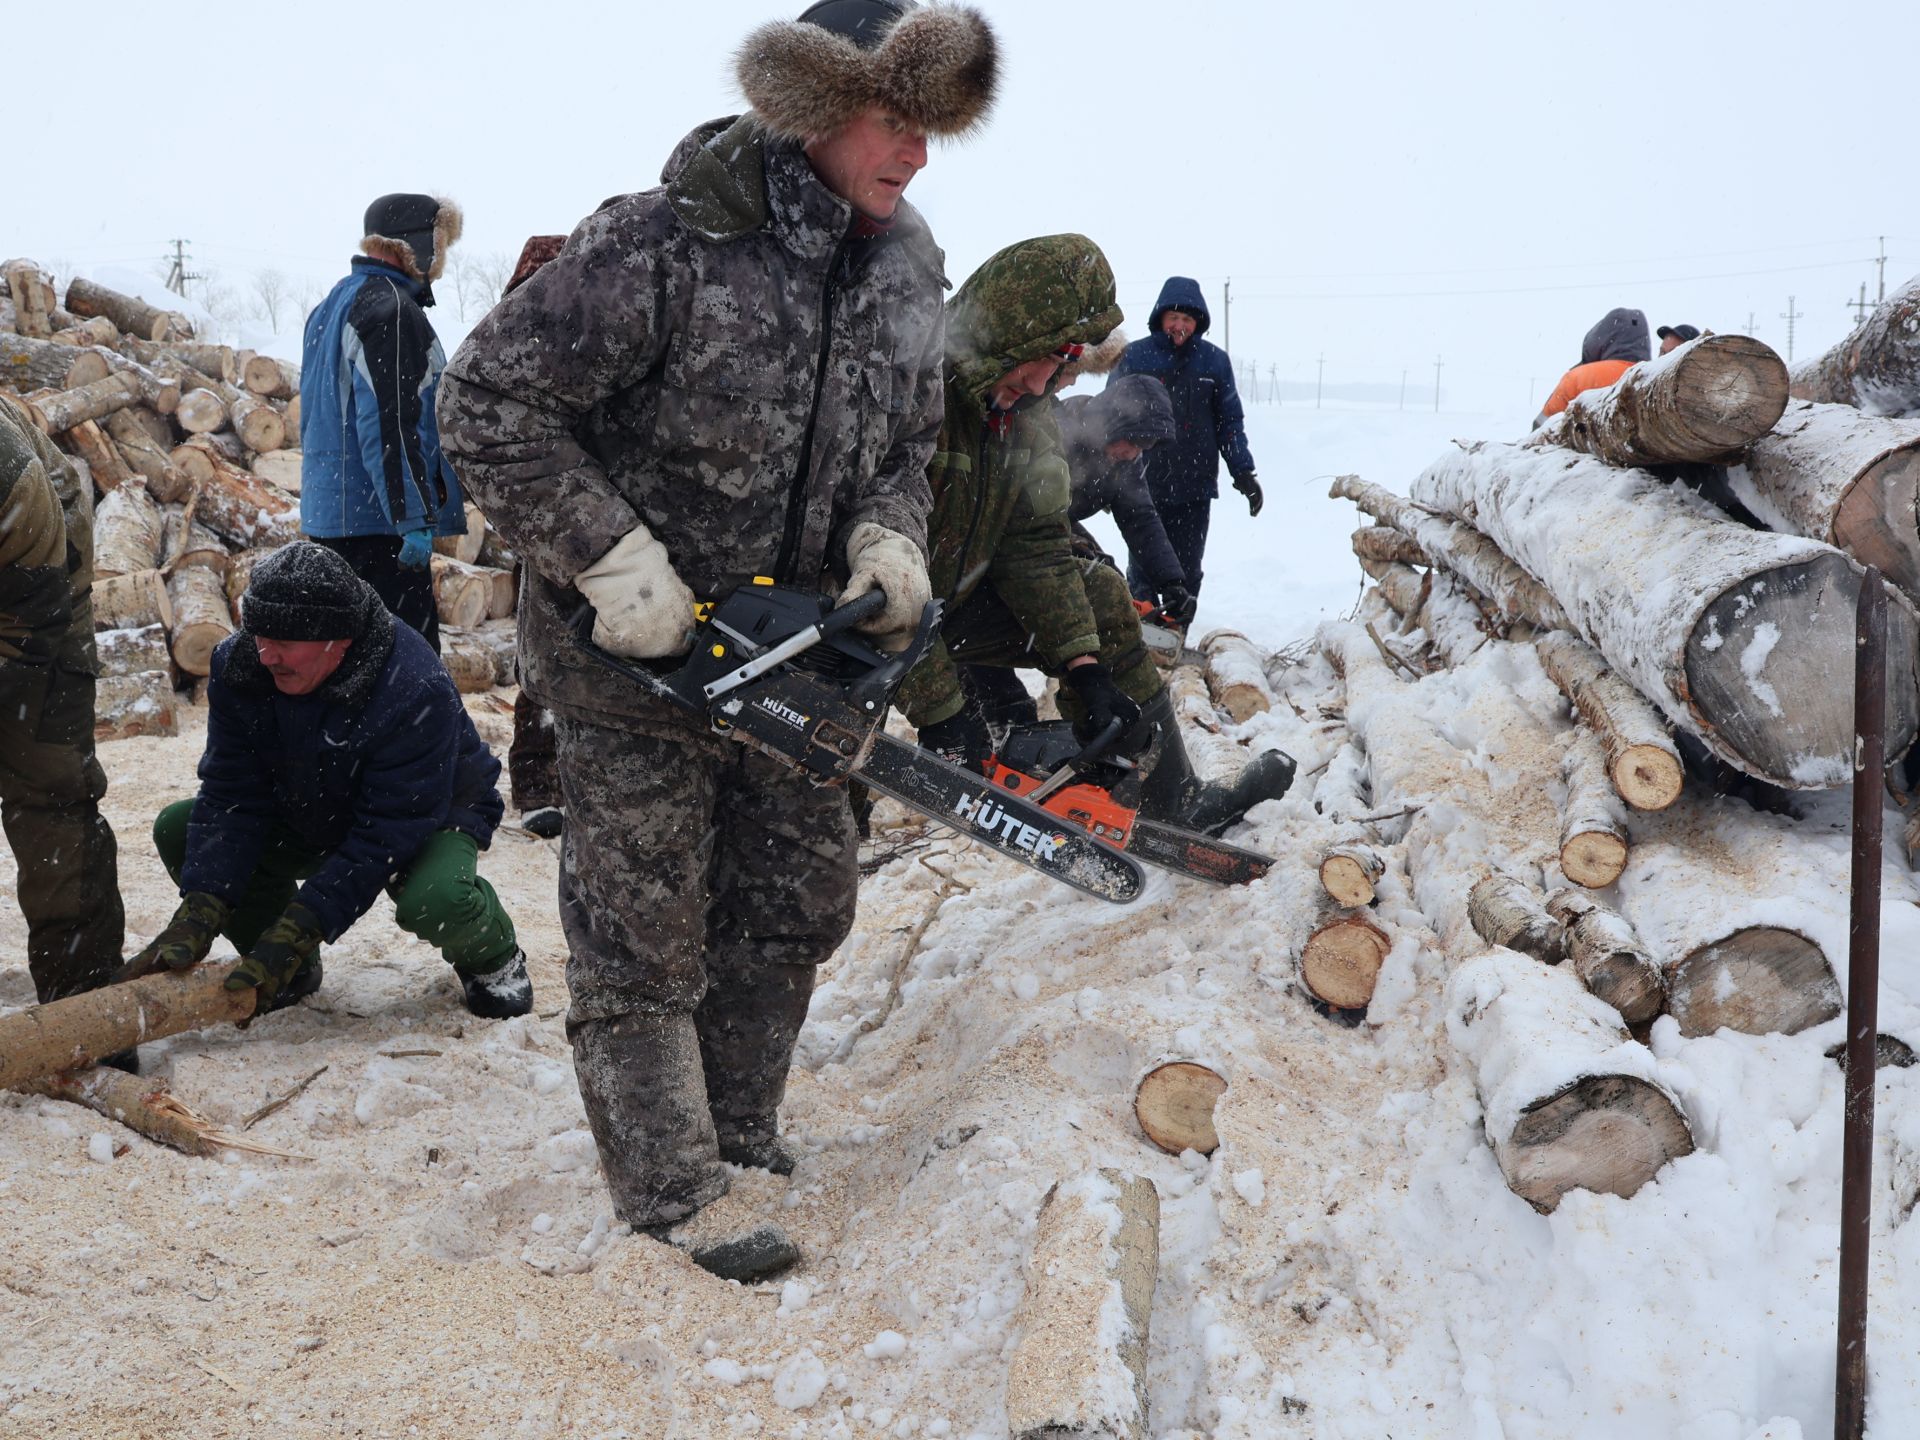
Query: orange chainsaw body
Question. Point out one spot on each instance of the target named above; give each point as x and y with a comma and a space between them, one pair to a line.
1087, 806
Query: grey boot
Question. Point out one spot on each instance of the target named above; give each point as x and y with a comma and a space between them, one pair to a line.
1172, 794
646, 1100
749, 1021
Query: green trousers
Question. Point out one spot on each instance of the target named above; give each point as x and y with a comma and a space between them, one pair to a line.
439, 898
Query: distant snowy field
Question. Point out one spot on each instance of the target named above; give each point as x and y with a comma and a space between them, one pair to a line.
1278, 576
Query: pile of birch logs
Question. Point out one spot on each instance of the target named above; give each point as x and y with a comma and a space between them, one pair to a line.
194, 452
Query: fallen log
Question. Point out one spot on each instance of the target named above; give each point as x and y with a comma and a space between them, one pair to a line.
1593, 832
1607, 956
97, 331
235, 504
1349, 873
279, 468
1340, 959
1832, 473
470, 662
145, 457
1404, 589
464, 547
57, 410
461, 594
1708, 399
129, 533
1236, 674
1509, 913
189, 543
201, 412
104, 460
201, 617
1730, 631
145, 1106
1877, 367
1388, 546
61, 1035
134, 316
131, 601
32, 295
1641, 758
1454, 624
194, 457
270, 379
27, 364
159, 393
215, 361
258, 425
142, 703
1174, 1105
1079, 1368
501, 640
1461, 549
128, 652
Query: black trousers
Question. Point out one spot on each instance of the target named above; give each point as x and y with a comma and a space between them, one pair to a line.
407, 593
1186, 525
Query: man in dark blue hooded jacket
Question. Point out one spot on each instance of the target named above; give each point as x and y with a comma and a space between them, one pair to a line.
1183, 474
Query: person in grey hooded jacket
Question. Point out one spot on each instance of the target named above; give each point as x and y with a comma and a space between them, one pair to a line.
1617, 342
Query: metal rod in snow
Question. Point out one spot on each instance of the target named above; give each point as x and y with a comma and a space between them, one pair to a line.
1863, 996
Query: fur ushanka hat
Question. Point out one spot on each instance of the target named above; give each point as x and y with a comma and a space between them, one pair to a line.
935, 66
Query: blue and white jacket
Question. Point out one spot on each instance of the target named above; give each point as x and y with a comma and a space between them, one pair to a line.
370, 446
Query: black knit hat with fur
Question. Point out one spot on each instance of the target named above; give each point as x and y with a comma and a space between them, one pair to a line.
935, 66
305, 591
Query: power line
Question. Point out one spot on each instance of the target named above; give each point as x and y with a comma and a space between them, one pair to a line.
1545, 289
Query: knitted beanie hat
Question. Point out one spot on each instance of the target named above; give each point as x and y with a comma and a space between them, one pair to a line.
305, 591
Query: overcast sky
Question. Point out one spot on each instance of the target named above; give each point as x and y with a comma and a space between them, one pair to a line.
1384, 183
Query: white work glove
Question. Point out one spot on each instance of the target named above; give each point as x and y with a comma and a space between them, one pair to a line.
642, 608
887, 561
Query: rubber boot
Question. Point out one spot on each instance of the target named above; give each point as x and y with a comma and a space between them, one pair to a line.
499, 994
1172, 794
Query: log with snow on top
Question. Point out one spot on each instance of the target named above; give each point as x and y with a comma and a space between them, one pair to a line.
258, 424
1706, 400
1832, 473
1236, 673
131, 601
33, 297
270, 379
1404, 589
1570, 1101
1079, 1366
134, 316
130, 651
1453, 623
235, 504
1877, 367
1506, 911
1732, 632
189, 543
1607, 955
1350, 872
469, 660
129, 533
141, 702
1463, 550
57, 410
461, 593
28, 364
145, 456
201, 617
1388, 546
1641, 758
279, 468
1593, 832
97, 331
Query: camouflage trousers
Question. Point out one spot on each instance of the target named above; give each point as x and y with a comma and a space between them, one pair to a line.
701, 886
51, 785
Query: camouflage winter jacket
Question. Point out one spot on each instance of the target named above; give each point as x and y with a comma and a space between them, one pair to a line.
1000, 501
46, 559
723, 358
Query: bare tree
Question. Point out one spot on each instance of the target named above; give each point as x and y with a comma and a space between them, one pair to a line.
271, 294
479, 279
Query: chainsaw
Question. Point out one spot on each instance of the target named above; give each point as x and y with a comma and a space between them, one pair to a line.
1164, 637
780, 670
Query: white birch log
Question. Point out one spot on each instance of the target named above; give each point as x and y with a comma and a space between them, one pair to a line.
97, 331
191, 543
1340, 958
270, 379
200, 412
468, 660
201, 617
1877, 367
1404, 589
1079, 1366
1236, 674
1509, 913
1641, 758
461, 594
128, 652
33, 299
28, 364
1708, 399
134, 316
258, 425
145, 457
1731, 632
464, 547
1836, 474
1452, 621
1388, 546
214, 361
104, 461
1350, 871
57, 410
129, 533
1593, 831
131, 601
501, 638
1607, 956
143, 703
279, 468
237, 505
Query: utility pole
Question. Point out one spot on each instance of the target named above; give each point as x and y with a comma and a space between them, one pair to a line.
1533, 382
1790, 315
1319, 380
1273, 384
1859, 307
1229, 336
1437, 362
1750, 327
177, 274
1403, 389
1883, 271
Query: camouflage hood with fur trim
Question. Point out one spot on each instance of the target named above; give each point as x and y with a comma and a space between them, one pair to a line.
1025, 302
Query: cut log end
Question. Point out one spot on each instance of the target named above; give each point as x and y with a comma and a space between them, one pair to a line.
1593, 858
1759, 981
1174, 1104
1340, 962
1349, 874
1647, 776
1606, 1133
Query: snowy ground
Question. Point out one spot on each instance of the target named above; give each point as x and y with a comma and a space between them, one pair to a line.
1348, 1266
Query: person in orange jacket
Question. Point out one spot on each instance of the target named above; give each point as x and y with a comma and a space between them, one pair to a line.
1612, 347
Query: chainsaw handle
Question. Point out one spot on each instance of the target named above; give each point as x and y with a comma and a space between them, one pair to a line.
853, 612
1101, 743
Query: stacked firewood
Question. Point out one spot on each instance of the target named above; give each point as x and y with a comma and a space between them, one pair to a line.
194, 452
1681, 557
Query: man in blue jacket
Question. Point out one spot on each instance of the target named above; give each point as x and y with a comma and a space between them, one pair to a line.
1183, 474
373, 485
339, 763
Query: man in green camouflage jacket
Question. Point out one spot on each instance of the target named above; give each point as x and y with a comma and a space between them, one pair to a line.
1000, 542
51, 784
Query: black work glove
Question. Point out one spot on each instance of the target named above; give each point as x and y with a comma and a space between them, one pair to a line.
1248, 486
278, 955
1105, 701
186, 939
962, 738
1178, 606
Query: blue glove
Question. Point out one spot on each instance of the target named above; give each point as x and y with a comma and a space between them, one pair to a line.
416, 549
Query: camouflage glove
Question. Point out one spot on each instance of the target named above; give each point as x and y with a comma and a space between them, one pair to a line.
887, 561
961, 739
641, 607
286, 948
1248, 486
185, 941
1105, 701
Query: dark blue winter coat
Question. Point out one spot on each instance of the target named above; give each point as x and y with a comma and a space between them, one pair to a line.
369, 443
1210, 425
367, 768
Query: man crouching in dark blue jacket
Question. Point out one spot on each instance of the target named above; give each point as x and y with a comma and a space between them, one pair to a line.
339, 761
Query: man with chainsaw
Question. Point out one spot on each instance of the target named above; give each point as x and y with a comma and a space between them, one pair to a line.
1001, 546
734, 375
